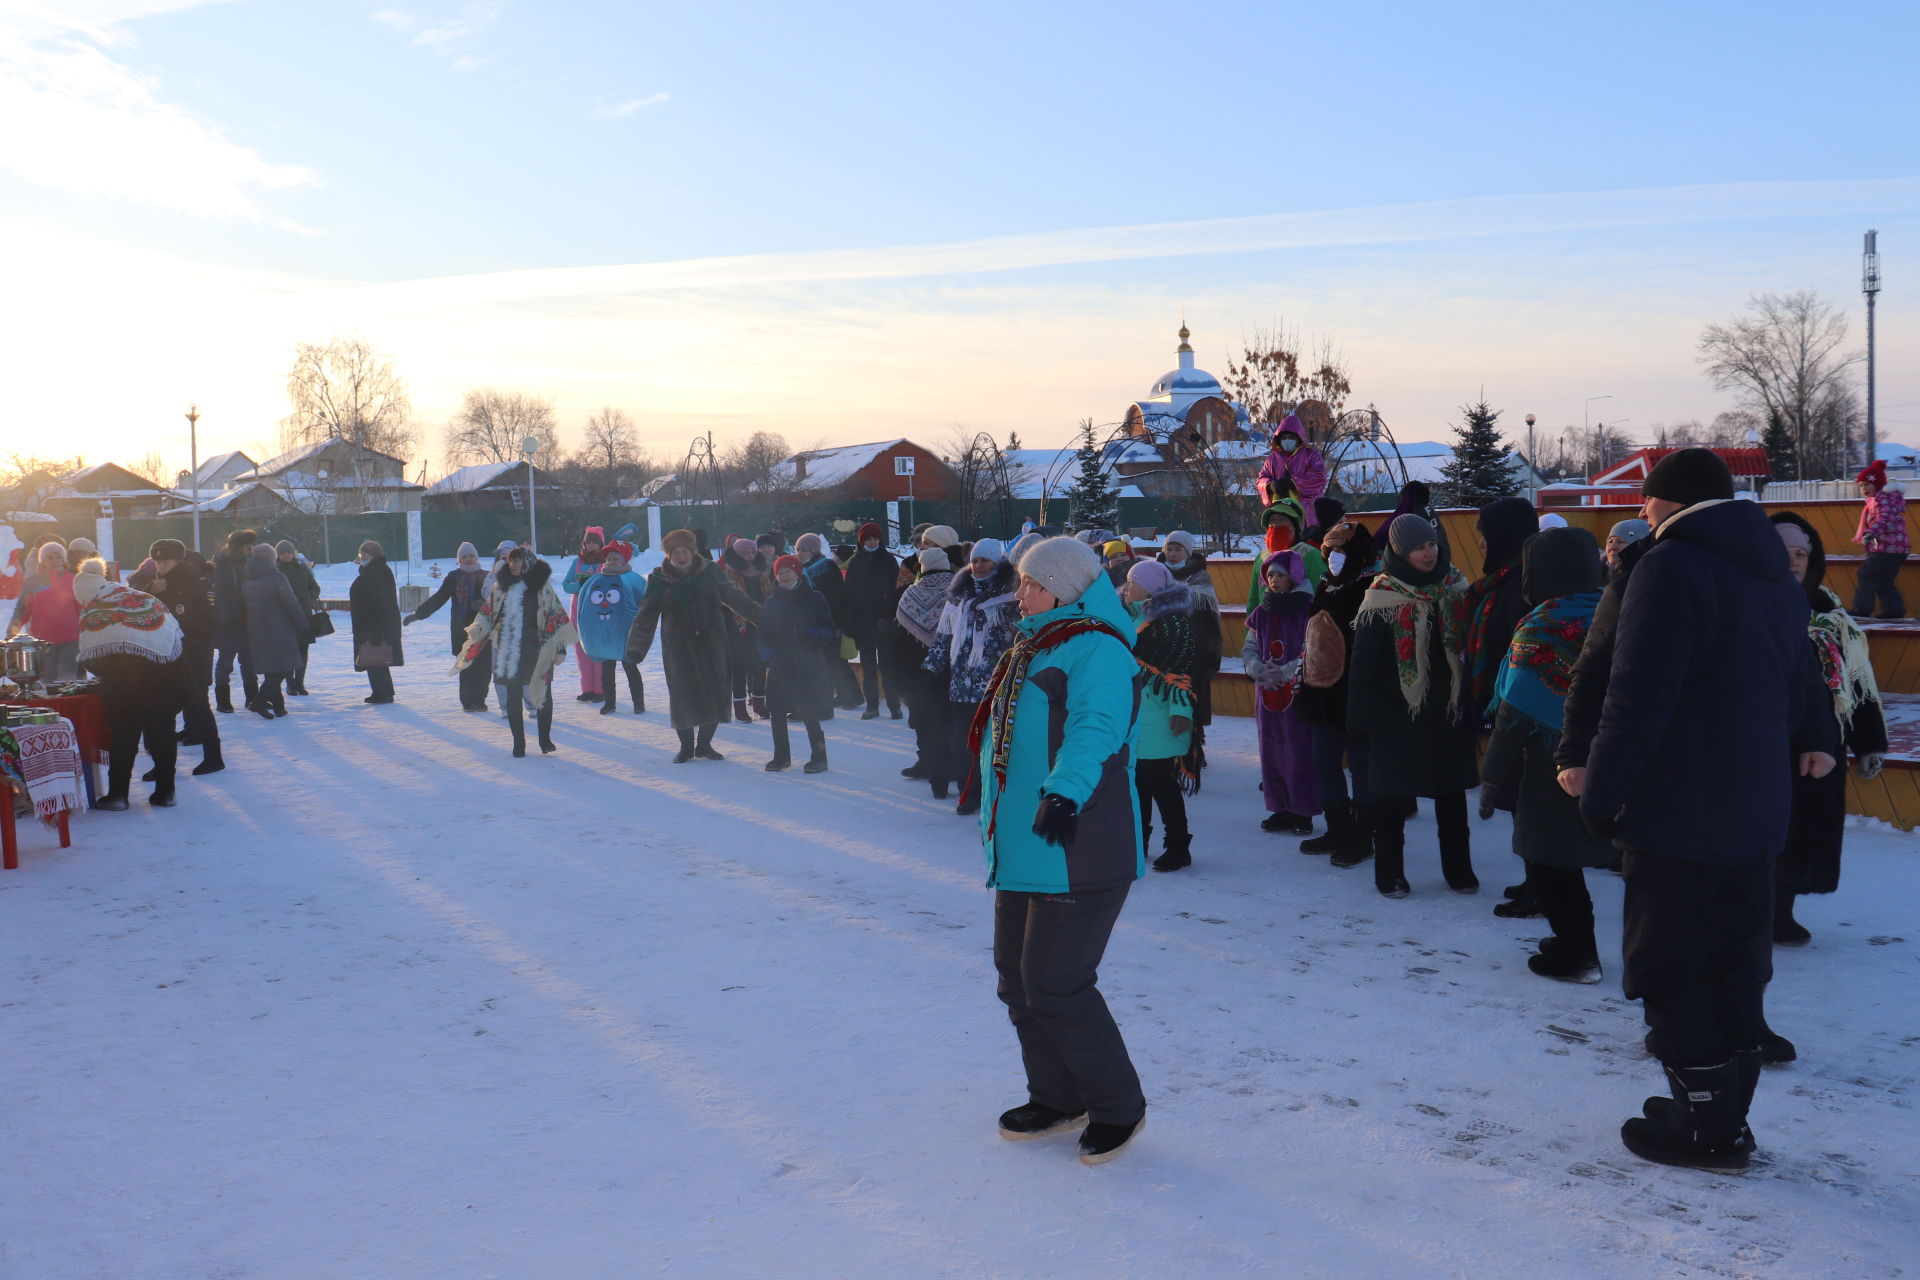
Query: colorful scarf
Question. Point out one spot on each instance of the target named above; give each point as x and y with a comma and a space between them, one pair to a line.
1538, 669
920, 605
1410, 611
1163, 647
1844, 659
1483, 661
118, 619
1003, 695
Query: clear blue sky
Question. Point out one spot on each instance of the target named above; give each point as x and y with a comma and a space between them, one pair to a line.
352, 143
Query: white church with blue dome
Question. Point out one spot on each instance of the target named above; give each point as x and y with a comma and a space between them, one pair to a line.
1189, 399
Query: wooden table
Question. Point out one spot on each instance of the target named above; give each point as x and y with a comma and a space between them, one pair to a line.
47, 769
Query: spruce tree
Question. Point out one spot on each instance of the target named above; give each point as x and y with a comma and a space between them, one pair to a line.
1482, 466
1095, 503
1777, 440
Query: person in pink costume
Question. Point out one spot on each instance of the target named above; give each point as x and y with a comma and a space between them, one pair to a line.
585, 566
1294, 468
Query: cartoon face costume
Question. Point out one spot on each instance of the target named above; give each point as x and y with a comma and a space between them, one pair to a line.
608, 604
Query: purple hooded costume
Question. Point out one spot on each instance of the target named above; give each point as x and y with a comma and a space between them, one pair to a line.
1276, 637
1304, 471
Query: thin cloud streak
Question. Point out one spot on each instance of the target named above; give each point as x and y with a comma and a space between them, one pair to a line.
621, 110
1479, 217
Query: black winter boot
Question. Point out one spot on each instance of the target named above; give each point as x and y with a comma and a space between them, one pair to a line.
210, 761
1787, 932
1178, 855
1456, 859
1339, 830
1361, 821
1100, 1143
1706, 1127
1025, 1123
223, 697
686, 747
1390, 858
703, 744
816, 739
1567, 961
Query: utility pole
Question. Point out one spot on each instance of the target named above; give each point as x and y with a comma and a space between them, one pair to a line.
1870, 285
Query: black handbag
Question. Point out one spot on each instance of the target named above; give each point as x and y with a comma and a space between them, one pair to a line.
320, 624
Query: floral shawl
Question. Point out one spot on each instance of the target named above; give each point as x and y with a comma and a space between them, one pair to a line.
118, 619
556, 632
1538, 669
1483, 662
1411, 611
1844, 661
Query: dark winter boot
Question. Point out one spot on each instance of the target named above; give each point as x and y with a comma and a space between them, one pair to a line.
611, 705
1567, 961
1178, 855
637, 688
1100, 1143
1775, 1048
1390, 858
1456, 860
223, 697
1024, 1124
1520, 906
703, 744
1787, 932
210, 761
686, 747
251, 684
740, 711
759, 705
1707, 1126
162, 797
917, 771
1339, 830
1287, 824
816, 739
1364, 818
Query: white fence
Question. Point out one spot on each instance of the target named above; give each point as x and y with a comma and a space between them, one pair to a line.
1810, 490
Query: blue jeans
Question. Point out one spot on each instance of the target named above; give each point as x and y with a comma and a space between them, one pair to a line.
1329, 745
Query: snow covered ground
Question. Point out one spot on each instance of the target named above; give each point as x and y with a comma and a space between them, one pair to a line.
381, 1001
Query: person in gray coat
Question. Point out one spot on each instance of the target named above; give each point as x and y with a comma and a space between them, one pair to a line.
276, 627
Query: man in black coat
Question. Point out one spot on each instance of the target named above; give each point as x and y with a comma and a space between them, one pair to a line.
181, 585
1710, 709
868, 603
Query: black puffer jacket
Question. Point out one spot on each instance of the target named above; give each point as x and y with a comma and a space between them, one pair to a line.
1338, 596
869, 597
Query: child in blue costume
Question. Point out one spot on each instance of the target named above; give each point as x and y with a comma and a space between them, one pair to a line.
608, 602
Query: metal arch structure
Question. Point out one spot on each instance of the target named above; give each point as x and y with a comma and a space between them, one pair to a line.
983, 480
1212, 483
701, 480
1363, 436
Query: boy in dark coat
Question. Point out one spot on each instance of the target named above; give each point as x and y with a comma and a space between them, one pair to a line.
693, 604
1712, 707
375, 608
796, 635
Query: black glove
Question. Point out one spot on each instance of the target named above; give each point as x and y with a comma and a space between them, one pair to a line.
1056, 820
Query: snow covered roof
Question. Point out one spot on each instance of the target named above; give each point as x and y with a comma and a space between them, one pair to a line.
221, 501
210, 468
825, 468
292, 457
467, 479
307, 481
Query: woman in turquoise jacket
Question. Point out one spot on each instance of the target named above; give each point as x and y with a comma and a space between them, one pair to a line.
1061, 828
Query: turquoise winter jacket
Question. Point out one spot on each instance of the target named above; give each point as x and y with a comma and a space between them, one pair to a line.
1073, 734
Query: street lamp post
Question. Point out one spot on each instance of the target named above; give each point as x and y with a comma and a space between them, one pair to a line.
531, 446
193, 460
1533, 467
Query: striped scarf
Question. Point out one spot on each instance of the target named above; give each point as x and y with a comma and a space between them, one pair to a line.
1003, 696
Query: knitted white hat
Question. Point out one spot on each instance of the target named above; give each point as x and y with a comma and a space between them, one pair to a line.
1065, 567
940, 535
934, 560
989, 549
809, 544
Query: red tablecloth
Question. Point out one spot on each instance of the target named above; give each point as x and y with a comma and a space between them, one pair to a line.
49, 763
89, 721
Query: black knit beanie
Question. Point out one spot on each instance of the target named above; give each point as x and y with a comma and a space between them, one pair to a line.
1687, 476
1506, 524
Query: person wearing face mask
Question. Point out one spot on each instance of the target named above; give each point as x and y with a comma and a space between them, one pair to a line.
871, 579
1322, 697
1294, 468
1619, 538
374, 605
798, 643
1282, 521
464, 589
976, 627
1403, 699
692, 604
1165, 771
1817, 826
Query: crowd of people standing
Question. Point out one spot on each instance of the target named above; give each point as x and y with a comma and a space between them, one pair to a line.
1671, 705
